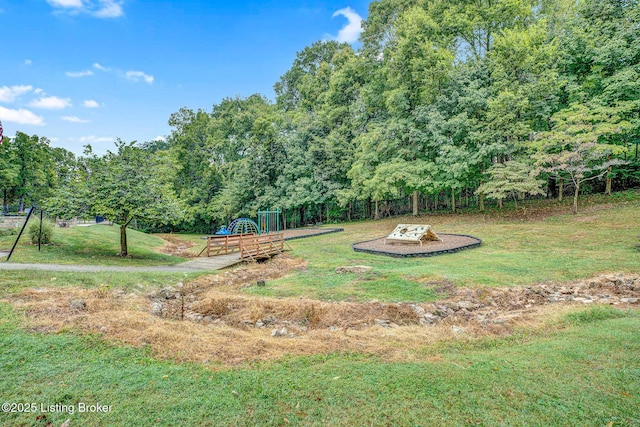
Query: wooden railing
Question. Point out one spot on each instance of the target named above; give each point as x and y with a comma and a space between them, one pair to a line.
225, 244
260, 247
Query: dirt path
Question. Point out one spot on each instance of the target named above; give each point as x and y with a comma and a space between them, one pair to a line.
192, 266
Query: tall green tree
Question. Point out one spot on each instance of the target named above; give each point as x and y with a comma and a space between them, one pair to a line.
122, 185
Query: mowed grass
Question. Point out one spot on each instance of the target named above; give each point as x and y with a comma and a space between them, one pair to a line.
562, 247
12, 281
95, 245
584, 371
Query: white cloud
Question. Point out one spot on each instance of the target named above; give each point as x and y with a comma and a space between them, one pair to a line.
96, 8
94, 139
21, 116
79, 73
51, 103
160, 138
90, 103
109, 9
74, 119
99, 67
66, 4
137, 76
350, 32
9, 94
28, 62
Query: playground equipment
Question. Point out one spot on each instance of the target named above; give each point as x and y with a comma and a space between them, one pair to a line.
243, 226
412, 233
222, 231
269, 221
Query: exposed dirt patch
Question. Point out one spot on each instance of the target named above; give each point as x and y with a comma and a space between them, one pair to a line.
176, 246
211, 320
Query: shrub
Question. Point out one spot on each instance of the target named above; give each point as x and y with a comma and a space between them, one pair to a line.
34, 229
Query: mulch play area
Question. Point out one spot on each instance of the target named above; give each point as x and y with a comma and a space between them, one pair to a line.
448, 243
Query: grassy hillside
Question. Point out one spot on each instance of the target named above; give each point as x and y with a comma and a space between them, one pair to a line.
99, 244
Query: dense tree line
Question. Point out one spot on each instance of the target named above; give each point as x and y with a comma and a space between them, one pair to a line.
446, 103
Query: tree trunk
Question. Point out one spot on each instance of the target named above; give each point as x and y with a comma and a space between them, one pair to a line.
500, 203
560, 189
123, 240
349, 211
5, 208
481, 202
453, 200
377, 213
575, 198
607, 189
415, 203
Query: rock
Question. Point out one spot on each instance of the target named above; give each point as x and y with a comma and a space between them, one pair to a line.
259, 324
457, 330
419, 311
359, 269
382, 322
555, 298
67, 423
269, 320
629, 300
279, 332
78, 304
157, 309
167, 293
429, 319
465, 304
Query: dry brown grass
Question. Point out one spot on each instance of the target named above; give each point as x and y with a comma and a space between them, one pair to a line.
226, 327
127, 318
176, 246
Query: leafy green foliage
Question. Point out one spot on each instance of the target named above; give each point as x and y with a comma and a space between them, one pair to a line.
42, 232
439, 94
511, 179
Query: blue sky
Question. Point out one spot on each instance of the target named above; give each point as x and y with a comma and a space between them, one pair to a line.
88, 71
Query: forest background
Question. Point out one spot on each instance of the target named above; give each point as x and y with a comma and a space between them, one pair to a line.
446, 103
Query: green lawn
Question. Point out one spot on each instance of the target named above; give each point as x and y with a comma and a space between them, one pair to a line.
98, 244
585, 371
513, 252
